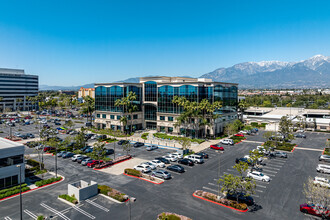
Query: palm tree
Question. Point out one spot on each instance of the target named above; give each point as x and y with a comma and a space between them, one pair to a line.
242, 106
127, 103
123, 120
88, 107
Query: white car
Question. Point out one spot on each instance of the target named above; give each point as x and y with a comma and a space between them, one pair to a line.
322, 168
243, 132
143, 169
75, 157
149, 164
300, 131
322, 181
158, 163
195, 158
258, 176
227, 141
178, 155
249, 158
170, 158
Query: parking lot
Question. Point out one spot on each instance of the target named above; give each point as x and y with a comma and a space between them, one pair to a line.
278, 199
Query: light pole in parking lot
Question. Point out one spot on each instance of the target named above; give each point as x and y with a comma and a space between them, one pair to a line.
129, 201
20, 191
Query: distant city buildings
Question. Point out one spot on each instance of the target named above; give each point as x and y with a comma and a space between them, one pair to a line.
15, 88
155, 107
83, 92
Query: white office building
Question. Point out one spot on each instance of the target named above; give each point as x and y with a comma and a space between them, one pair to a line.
11, 155
15, 88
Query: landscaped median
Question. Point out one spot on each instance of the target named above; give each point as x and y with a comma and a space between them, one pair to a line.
237, 139
112, 162
13, 191
171, 216
284, 146
210, 197
72, 199
48, 181
112, 193
326, 151
138, 174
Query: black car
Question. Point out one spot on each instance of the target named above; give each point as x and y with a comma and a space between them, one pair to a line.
121, 142
186, 161
164, 160
138, 144
57, 123
202, 154
88, 136
299, 135
67, 155
30, 135
85, 148
176, 168
241, 198
109, 151
244, 160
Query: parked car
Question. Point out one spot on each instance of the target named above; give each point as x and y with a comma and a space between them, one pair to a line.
176, 168
93, 163
161, 174
300, 135
75, 157
158, 163
227, 142
216, 147
47, 148
315, 210
300, 131
89, 150
281, 154
239, 135
57, 123
258, 176
60, 154
242, 198
177, 155
320, 181
88, 136
143, 169
325, 158
322, 168
67, 155
244, 160
86, 161
138, 144
162, 159
186, 161
151, 165
30, 135
121, 142
170, 158
202, 154
81, 158
109, 151
151, 147
195, 158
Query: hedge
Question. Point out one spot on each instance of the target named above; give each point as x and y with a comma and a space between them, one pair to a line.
13, 191
12, 188
133, 172
71, 199
144, 136
164, 216
47, 181
34, 163
237, 139
108, 191
165, 136
327, 151
40, 217
280, 145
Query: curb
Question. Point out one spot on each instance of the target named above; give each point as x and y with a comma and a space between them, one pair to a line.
67, 202
3, 199
112, 164
219, 203
241, 141
144, 179
12, 140
112, 199
294, 148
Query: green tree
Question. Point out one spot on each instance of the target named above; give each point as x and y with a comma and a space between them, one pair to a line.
230, 129
285, 126
69, 124
88, 107
185, 143
242, 106
241, 167
80, 138
238, 125
99, 150
127, 147
268, 134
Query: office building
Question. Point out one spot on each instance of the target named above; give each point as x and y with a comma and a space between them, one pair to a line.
83, 92
155, 107
11, 155
15, 88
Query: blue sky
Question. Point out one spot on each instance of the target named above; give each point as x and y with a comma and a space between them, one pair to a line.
79, 42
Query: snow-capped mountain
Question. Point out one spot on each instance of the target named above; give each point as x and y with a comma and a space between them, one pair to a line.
311, 73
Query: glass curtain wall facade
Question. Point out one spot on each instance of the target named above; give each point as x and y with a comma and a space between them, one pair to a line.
150, 91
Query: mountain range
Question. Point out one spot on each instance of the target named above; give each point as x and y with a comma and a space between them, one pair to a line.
311, 73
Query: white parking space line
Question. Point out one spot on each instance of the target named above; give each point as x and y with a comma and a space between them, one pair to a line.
54, 211
7, 218
272, 168
231, 170
210, 189
268, 174
212, 184
84, 212
257, 190
30, 214
254, 195
261, 186
277, 162
274, 165
267, 170
97, 205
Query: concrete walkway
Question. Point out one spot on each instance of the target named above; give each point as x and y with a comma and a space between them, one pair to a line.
312, 149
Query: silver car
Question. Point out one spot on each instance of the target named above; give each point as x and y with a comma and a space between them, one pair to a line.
151, 147
86, 161
161, 174
325, 158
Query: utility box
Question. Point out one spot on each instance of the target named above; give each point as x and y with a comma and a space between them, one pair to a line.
82, 190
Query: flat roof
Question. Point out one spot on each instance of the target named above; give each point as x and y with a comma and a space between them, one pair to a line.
5, 143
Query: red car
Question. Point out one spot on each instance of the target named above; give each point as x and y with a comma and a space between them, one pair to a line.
216, 147
48, 148
93, 163
315, 210
239, 135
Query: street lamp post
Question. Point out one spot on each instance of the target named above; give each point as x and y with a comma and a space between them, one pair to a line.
56, 162
20, 192
130, 200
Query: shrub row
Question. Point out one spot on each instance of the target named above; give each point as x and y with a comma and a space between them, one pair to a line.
34, 163
47, 181
71, 199
165, 136
133, 172
226, 202
13, 192
171, 216
255, 124
280, 145
327, 151
108, 191
12, 188
144, 136
237, 139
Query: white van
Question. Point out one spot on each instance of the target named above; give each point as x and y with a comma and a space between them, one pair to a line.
322, 168
195, 158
